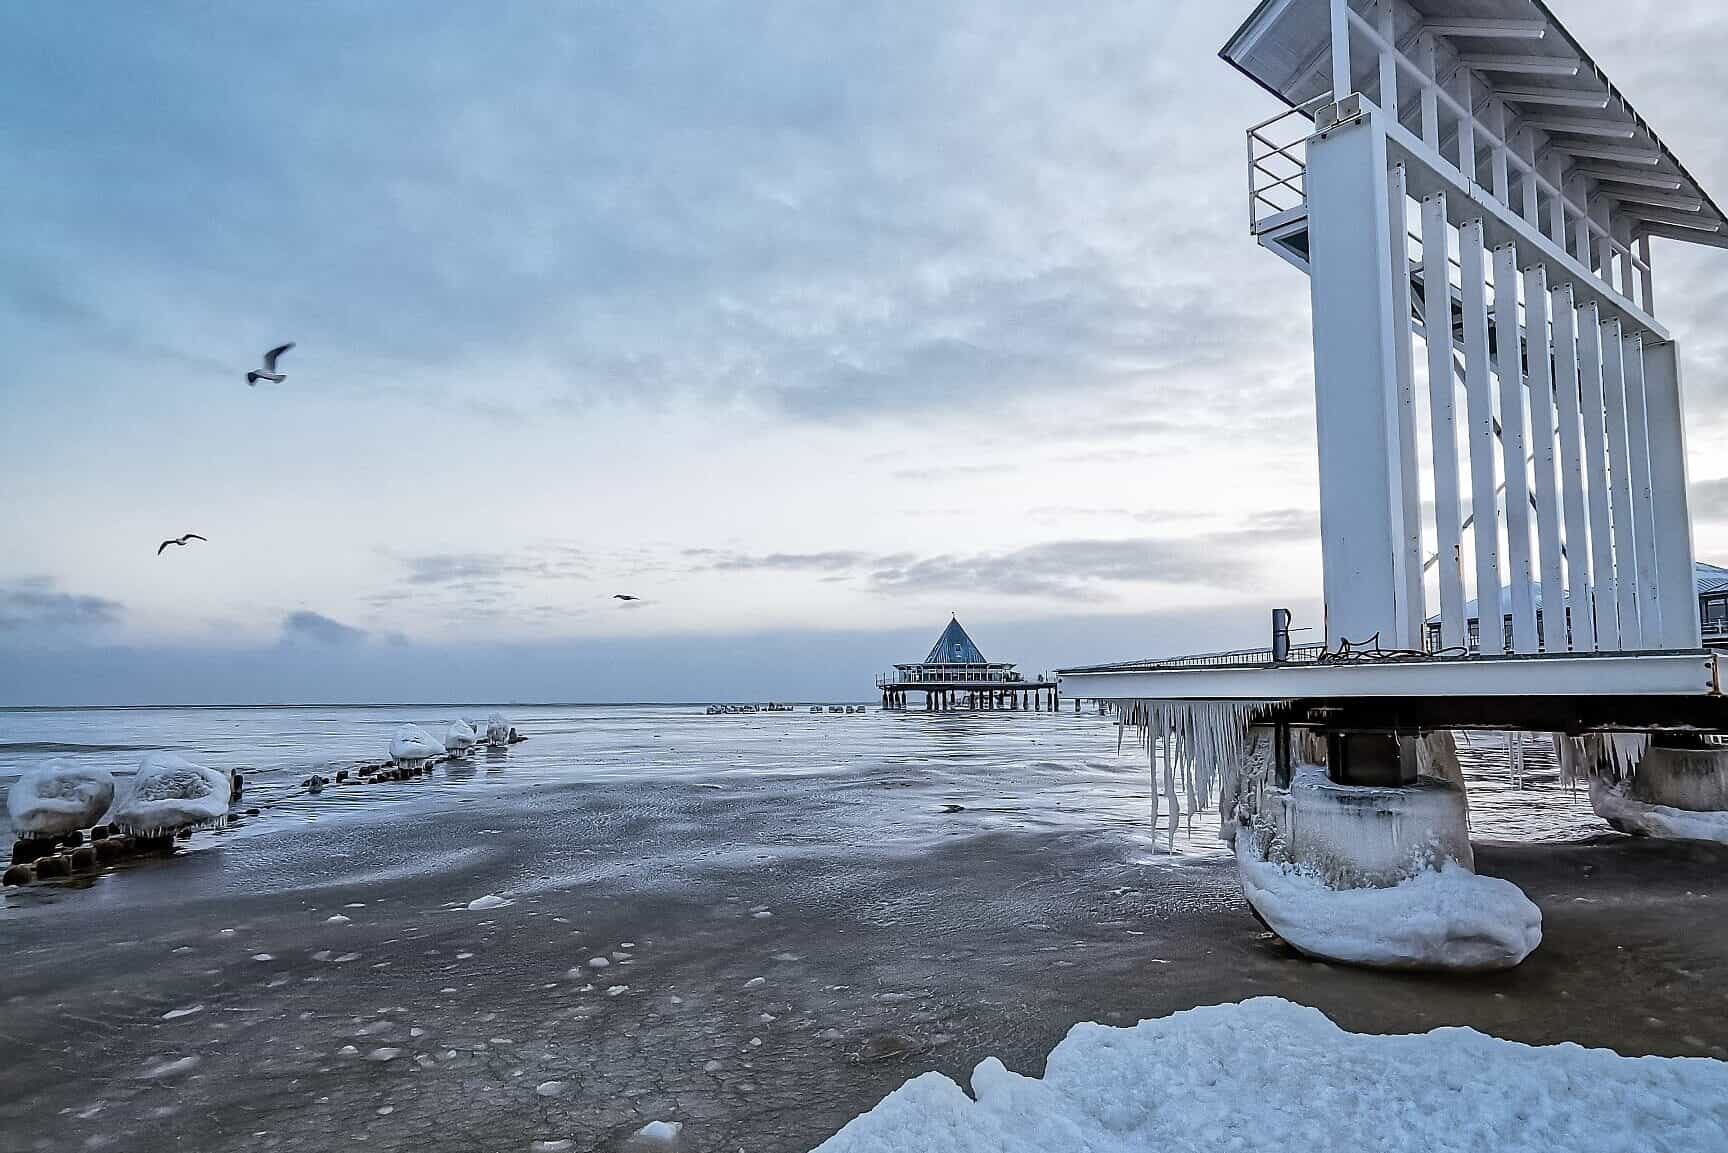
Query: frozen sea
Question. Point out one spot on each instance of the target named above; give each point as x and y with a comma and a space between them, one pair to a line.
754, 926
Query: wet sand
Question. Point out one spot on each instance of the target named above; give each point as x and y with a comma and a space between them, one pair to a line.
207, 1002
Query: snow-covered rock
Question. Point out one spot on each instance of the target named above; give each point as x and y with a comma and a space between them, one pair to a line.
461, 737
54, 799
1269, 1074
1614, 803
170, 793
497, 729
1444, 918
413, 743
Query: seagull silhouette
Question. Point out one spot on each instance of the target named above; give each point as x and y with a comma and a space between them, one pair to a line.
270, 374
624, 597
180, 541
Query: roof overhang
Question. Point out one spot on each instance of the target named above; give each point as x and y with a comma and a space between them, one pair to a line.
1518, 52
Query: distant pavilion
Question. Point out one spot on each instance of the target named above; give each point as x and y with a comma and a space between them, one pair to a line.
957, 676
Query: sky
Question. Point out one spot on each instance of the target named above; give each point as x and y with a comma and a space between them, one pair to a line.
807, 323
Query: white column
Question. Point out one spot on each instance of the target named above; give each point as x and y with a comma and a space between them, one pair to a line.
1620, 489
1572, 493
1509, 369
1663, 407
1339, 11
1430, 98
1356, 385
1442, 424
1643, 503
1540, 368
1467, 126
1500, 169
1596, 474
1410, 485
1647, 298
1479, 399
1387, 27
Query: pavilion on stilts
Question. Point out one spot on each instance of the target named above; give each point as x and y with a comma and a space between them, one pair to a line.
955, 675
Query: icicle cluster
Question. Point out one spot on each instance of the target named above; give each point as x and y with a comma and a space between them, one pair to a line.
1611, 756
1203, 744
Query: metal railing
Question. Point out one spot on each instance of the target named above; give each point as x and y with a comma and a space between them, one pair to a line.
1278, 163
1242, 658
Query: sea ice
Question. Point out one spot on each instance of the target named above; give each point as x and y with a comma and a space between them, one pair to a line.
413, 743
489, 901
1269, 1074
497, 729
1615, 805
54, 799
659, 1132
1448, 918
460, 737
170, 793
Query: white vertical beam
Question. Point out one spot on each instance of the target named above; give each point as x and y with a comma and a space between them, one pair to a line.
1557, 205
1581, 228
1663, 407
1430, 95
1643, 501
1509, 369
1596, 473
1442, 424
1467, 126
1340, 18
1388, 62
1620, 489
1527, 182
1500, 169
1539, 369
1350, 274
1572, 493
1479, 400
1647, 297
1410, 560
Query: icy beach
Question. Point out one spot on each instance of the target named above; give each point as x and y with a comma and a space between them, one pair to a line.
753, 927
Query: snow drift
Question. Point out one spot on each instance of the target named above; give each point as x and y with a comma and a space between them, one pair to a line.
1446, 918
171, 793
57, 798
413, 743
1269, 1074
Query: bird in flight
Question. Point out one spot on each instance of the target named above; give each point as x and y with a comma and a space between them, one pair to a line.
624, 597
269, 373
180, 541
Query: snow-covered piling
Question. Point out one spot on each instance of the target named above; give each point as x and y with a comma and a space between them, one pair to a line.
58, 799
413, 746
170, 793
1378, 875
1674, 786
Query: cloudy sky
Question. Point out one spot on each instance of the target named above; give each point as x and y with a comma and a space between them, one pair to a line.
806, 322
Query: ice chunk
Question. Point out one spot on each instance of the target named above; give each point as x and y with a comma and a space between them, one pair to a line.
1614, 804
460, 737
1269, 1074
489, 901
658, 1133
497, 729
413, 743
1445, 918
170, 793
54, 799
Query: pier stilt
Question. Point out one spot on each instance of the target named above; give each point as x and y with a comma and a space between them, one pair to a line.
1677, 788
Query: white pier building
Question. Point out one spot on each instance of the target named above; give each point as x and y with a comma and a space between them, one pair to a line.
1474, 204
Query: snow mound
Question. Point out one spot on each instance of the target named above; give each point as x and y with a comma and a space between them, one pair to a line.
489, 901
497, 729
56, 798
413, 743
1613, 804
1269, 1074
460, 737
171, 793
1448, 918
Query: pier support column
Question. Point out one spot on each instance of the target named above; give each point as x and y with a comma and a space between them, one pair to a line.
1678, 790
1375, 875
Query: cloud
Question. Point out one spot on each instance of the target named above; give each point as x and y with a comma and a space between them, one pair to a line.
316, 628
838, 561
1710, 500
33, 607
546, 562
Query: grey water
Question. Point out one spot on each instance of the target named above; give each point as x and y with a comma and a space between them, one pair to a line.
1009, 770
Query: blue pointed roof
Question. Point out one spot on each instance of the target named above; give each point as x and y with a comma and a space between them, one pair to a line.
954, 647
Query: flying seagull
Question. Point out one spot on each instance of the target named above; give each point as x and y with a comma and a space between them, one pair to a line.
180, 541
624, 597
270, 374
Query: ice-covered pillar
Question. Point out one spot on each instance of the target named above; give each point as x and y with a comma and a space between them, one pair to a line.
1663, 407
1356, 384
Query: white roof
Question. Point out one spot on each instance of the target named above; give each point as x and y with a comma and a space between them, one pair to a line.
1285, 47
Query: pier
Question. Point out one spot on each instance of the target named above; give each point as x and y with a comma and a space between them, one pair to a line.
1499, 417
956, 675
